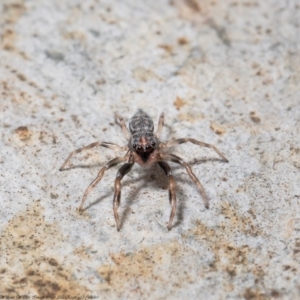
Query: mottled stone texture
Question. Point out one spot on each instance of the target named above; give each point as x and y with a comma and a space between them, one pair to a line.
224, 72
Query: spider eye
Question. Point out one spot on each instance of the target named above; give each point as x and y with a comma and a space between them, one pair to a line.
134, 145
153, 144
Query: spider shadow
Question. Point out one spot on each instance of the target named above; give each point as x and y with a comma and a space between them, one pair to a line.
161, 181
97, 165
128, 202
131, 199
204, 160
97, 201
125, 182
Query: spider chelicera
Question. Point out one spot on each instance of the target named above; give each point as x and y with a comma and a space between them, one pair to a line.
144, 148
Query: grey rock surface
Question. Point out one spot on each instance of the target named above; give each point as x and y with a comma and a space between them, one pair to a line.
224, 72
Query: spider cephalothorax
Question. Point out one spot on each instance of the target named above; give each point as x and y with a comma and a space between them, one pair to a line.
144, 148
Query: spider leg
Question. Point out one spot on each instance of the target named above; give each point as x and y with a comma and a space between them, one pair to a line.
172, 197
104, 144
117, 197
123, 126
160, 124
185, 140
176, 159
110, 164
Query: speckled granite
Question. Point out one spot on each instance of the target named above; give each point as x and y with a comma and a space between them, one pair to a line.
224, 72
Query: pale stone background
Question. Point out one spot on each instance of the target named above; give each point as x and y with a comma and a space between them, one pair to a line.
224, 72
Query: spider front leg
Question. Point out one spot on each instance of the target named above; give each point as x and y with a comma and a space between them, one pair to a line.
185, 140
178, 160
117, 197
125, 131
172, 197
110, 164
160, 125
104, 144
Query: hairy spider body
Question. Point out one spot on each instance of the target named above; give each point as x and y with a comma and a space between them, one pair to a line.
143, 142
145, 149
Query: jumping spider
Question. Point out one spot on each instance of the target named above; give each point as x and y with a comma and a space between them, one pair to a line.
144, 148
